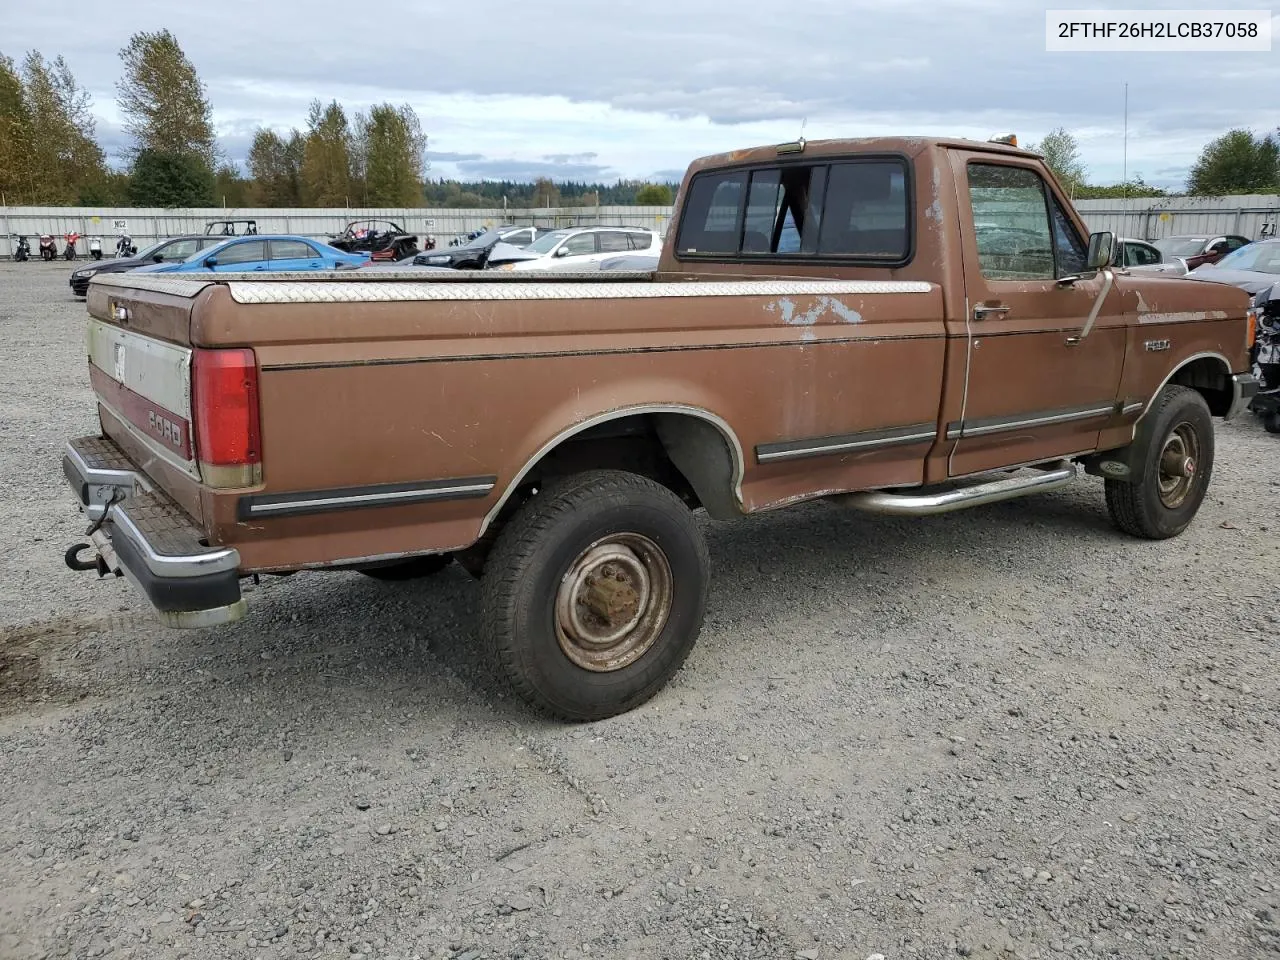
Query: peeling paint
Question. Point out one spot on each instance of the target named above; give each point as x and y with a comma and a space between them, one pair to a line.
1190, 316
1142, 302
934, 210
821, 307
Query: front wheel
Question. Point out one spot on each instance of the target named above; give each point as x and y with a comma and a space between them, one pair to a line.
1176, 450
594, 594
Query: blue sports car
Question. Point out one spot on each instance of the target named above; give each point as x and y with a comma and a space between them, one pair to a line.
256, 253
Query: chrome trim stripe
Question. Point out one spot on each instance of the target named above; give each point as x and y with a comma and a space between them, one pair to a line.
350, 498
845, 443
990, 425
1133, 407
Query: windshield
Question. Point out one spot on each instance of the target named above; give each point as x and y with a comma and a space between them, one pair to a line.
149, 251
1178, 246
547, 242
488, 238
1260, 257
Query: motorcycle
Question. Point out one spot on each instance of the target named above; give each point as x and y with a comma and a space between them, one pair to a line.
95, 248
1266, 358
125, 247
70, 252
48, 249
22, 252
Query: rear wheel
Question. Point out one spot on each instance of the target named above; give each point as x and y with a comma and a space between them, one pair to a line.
594, 594
1271, 423
1176, 449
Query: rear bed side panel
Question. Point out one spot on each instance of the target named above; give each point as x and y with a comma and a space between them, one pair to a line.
467, 391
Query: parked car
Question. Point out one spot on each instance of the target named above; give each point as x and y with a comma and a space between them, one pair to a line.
1253, 268
554, 438
474, 254
258, 253
630, 262
575, 248
1136, 253
385, 240
172, 250
1198, 250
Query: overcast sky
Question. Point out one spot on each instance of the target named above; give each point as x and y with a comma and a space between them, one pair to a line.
588, 91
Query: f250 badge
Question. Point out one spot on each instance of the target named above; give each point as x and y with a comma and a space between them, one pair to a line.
1155, 346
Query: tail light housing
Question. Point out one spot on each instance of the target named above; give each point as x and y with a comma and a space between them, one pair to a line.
224, 388
1251, 328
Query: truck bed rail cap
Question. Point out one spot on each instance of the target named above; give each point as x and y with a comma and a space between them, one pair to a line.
177, 286
267, 291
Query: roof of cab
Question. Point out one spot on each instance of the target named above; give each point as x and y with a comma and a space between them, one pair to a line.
910, 146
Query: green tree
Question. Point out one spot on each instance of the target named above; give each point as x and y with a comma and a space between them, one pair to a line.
1135, 187
62, 152
16, 175
275, 169
655, 195
326, 157
545, 193
171, 180
1237, 162
389, 155
163, 100
230, 188
1061, 154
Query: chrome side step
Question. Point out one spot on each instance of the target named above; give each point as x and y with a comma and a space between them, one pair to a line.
1050, 476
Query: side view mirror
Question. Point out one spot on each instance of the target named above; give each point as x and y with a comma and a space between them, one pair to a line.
1101, 250
562, 252
211, 262
158, 258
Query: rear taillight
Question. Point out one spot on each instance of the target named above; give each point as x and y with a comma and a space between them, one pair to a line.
224, 388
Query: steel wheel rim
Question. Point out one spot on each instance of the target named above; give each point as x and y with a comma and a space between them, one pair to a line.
1179, 465
613, 602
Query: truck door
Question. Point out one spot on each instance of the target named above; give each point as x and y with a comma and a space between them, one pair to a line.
1038, 385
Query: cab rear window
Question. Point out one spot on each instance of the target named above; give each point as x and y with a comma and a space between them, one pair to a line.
857, 210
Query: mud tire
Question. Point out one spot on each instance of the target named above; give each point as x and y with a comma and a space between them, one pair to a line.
531, 563
1137, 507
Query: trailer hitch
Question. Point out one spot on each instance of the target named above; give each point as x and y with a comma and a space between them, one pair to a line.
72, 557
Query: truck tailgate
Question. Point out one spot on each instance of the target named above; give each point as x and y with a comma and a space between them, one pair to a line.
140, 369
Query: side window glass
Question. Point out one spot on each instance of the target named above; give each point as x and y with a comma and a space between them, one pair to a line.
865, 212
613, 242
290, 250
179, 250
580, 243
1011, 223
709, 223
1145, 256
762, 211
246, 252
1071, 253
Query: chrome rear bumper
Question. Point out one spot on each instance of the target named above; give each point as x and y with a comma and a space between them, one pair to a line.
141, 534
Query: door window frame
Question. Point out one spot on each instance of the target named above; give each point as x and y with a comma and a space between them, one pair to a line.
1048, 193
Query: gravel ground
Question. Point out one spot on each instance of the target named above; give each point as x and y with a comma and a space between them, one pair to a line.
1005, 733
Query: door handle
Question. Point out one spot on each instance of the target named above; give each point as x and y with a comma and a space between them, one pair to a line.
981, 311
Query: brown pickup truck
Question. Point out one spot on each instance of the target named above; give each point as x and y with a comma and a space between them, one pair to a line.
906, 326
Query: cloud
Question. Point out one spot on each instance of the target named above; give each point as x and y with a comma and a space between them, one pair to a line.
632, 95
